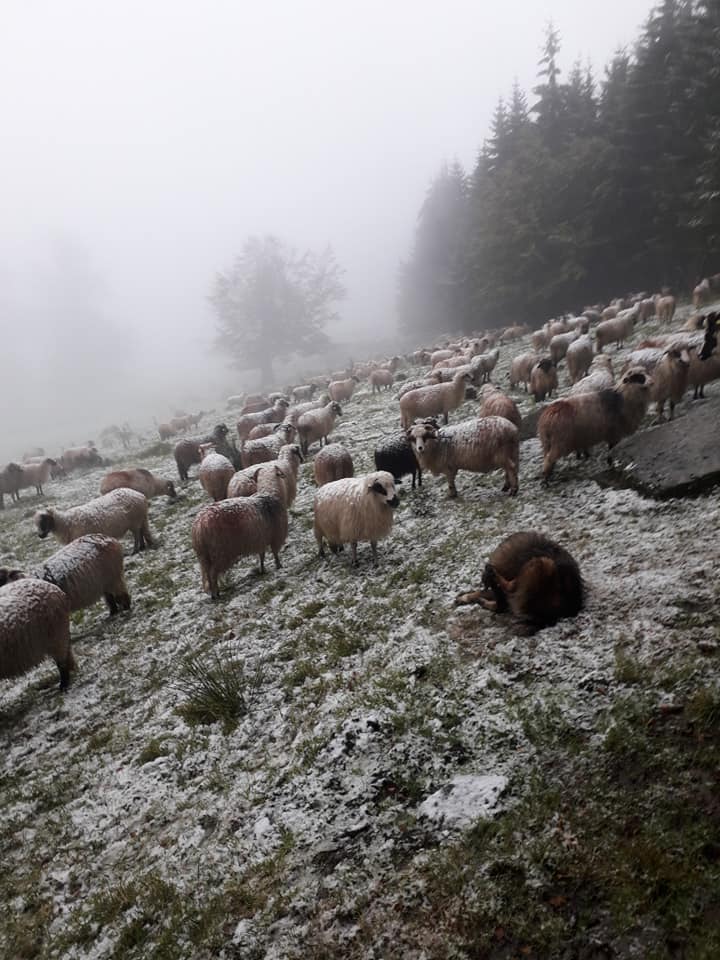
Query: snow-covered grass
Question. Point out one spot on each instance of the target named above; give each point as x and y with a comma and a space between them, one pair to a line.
363, 722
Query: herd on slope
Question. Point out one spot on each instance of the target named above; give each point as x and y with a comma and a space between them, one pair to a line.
253, 484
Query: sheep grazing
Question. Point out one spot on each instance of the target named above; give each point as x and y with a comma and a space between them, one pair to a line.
10, 478
665, 308
333, 462
496, 404
138, 479
380, 379
214, 474
354, 509
599, 377
75, 457
274, 414
263, 449
112, 514
576, 423
521, 369
303, 392
317, 425
483, 365
616, 330
244, 482
669, 371
186, 453
224, 532
478, 445
342, 390
395, 455
579, 356
34, 624
434, 400
533, 577
559, 345
87, 569
543, 379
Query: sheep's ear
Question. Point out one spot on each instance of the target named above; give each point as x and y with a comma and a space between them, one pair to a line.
279, 473
376, 487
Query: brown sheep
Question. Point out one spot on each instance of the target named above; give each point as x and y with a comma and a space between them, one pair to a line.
138, 479
496, 404
543, 379
34, 624
333, 462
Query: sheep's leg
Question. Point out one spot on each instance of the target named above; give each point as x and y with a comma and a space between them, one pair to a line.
451, 484
137, 544
373, 544
445, 418
476, 596
672, 409
123, 599
353, 548
277, 560
548, 466
419, 477
112, 605
64, 668
262, 561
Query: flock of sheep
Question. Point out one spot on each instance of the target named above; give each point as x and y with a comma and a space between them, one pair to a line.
252, 482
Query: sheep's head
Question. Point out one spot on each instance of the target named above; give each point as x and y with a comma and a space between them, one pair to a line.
382, 485
220, 431
336, 408
45, 522
636, 378
170, 490
13, 469
678, 355
421, 433
10, 576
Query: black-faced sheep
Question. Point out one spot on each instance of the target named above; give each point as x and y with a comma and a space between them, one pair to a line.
333, 462
138, 479
34, 624
354, 509
533, 577
113, 514
395, 455
224, 532
576, 423
478, 445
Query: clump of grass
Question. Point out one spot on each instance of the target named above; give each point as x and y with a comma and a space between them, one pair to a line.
154, 749
216, 690
628, 670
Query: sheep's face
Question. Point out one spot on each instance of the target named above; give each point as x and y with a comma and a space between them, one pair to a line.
385, 490
45, 523
10, 576
421, 435
336, 408
678, 356
170, 490
637, 378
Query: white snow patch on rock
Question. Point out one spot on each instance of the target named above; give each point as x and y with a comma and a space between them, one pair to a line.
463, 800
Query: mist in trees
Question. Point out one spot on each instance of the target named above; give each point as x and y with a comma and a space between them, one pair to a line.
585, 189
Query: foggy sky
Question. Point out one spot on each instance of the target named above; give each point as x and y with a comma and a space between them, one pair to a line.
142, 142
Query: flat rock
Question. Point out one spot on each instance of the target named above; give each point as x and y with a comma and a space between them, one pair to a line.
674, 459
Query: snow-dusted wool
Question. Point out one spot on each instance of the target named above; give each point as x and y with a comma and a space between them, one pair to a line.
138, 479
496, 404
112, 514
264, 449
355, 509
317, 424
88, 569
34, 624
433, 401
332, 462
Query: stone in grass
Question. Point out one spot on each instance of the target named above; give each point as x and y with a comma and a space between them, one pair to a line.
464, 800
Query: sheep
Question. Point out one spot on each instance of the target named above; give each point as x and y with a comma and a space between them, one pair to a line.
86, 456
354, 509
579, 357
703, 371
438, 356
10, 478
138, 479
254, 403
484, 364
616, 330
395, 455
33, 455
214, 474
434, 400
533, 577
701, 293
34, 624
559, 345
435, 377
244, 483
665, 308
478, 445
521, 368
266, 448
669, 371
297, 410
165, 431
513, 333
496, 404
543, 379
237, 400
273, 414
554, 328
8, 575
186, 453
241, 526
112, 514
599, 377
333, 462
317, 424
574, 424
343, 389
710, 340
380, 379
87, 569
303, 392
540, 340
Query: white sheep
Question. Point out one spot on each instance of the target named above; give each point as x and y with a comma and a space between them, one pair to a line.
355, 509
112, 514
317, 424
521, 367
478, 445
263, 449
214, 474
599, 377
333, 462
433, 400
578, 357
616, 330
88, 569
341, 390
244, 482
34, 624
669, 370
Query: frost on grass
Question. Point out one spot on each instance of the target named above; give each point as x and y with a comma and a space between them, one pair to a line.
279, 807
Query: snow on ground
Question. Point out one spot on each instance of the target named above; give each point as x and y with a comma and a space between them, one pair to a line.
380, 719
